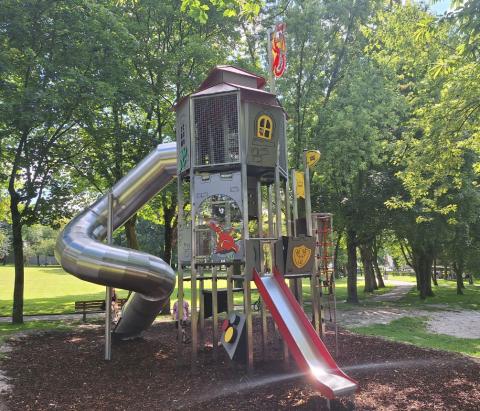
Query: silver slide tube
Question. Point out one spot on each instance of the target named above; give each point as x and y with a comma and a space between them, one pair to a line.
81, 252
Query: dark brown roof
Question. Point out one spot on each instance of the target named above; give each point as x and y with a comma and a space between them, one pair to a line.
216, 76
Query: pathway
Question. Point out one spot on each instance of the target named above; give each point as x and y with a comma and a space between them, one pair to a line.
401, 289
448, 321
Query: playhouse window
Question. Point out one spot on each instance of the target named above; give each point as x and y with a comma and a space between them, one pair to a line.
264, 127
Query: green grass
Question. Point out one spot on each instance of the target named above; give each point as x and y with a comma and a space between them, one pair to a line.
48, 290
414, 331
408, 278
341, 292
446, 293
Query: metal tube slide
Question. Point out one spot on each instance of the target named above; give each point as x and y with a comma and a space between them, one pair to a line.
304, 343
81, 252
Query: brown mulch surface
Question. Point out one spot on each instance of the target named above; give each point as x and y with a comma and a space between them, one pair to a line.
66, 371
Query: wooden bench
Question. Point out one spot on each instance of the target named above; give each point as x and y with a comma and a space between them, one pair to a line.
94, 306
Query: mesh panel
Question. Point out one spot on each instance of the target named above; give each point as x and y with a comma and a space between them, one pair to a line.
216, 129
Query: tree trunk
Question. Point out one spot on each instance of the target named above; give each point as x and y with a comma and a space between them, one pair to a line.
352, 296
458, 268
381, 283
131, 233
376, 268
434, 274
335, 254
169, 213
366, 254
422, 262
17, 242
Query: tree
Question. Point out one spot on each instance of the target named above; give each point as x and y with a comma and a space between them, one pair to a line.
5, 243
355, 132
53, 57
431, 148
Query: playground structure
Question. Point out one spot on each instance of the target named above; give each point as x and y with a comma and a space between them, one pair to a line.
236, 222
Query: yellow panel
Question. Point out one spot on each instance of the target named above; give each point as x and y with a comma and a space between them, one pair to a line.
300, 184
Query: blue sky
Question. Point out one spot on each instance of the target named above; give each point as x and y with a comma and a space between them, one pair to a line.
439, 7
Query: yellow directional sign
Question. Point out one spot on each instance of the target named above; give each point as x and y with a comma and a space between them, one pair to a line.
300, 184
313, 156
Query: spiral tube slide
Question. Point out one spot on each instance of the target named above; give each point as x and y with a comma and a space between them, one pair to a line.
81, 252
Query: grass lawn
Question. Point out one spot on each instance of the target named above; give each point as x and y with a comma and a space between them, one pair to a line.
446, 293
414, 331
341, 292
50, 290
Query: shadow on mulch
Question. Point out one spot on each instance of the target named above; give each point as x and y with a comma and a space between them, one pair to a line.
67, 371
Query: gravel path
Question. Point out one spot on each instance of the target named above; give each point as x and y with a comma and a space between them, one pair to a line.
456, 323
401, 290
460, 324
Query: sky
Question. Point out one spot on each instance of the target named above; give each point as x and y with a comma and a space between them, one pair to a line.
440, 6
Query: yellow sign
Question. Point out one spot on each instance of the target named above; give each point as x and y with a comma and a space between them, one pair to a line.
301, 255
313, 156
300, 184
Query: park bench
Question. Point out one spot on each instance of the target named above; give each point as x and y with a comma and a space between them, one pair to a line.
94, 306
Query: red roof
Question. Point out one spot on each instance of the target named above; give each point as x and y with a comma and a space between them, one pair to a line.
210, 80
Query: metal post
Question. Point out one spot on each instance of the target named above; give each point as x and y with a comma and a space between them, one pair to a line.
248, 316
288, 214
243, 119
181, 222
108, 294
334, 291
230, 305
271, 78
201, 308
270, 223
215, 312
193, 275
278, 203
308, 203
315, 286
295, 202
263, 311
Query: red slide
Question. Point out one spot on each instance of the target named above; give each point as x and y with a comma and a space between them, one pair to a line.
304, 343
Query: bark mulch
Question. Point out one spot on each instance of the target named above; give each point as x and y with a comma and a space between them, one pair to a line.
66, 371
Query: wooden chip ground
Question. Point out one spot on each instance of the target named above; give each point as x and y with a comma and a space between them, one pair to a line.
66, 371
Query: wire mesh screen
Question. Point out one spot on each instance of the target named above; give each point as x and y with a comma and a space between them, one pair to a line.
216, 129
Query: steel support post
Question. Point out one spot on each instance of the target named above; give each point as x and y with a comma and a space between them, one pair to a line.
193, 269
180, 222
243, 119
263, 311
308, 202
201, 306
215, 312
230, 305
108, 293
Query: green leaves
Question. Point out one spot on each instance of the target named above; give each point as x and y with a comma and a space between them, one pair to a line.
199, 9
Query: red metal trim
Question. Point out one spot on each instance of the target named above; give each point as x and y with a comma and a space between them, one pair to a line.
284, 330
319, 345
292, 345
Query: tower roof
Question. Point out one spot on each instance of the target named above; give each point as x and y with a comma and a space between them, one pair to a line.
233, 75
